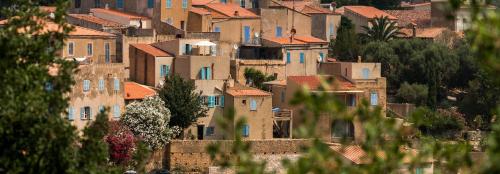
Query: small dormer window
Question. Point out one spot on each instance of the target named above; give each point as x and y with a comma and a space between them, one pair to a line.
366, 73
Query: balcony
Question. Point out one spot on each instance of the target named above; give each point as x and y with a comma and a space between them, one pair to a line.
256, 41
282, 123
212, 36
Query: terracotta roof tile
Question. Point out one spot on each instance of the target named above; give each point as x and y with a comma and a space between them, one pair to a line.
298, 40
53, 27
305, 7
353, 153
147, 48
239, 90
229, 10
118, 13
134, 91
200, 11
93, 19
314, 82
420, 17
368, 12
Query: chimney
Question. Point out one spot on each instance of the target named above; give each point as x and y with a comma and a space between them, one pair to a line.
359, 59
333, 6
106, 6
236, 13
292, 34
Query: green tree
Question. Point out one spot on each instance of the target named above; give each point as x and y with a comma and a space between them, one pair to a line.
256, 78
345, 47
35, 137
382, 29
184, 103
412, 93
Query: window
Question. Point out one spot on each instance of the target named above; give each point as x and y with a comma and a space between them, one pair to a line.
301, 57
151, 3
247, 34
223, 1
101, 84
216, 100
106, 53
78, 3
184, 4
209, 131
246, 130
366, 73
182, 25
71, 113
244, 102
119, 3
242, 3
419, 170
217, 29
374, 98
282, 97
116, 111
85, 113
253, 105
321, 56
331, 29
101, 108
288, 57
342, 129
89, 49
279, 31
188, 49
169, 3
205, 73
352, 100
164, 70
116, 84
86, 85
97, 3
71, 47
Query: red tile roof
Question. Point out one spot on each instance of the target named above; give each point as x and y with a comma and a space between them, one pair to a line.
298, 40
368, 12
353, 153
314, 82
200, 11
405, 17
93, 19
239, 90
229, 10
134, 91
118, 13
149, 49
53, 27
305, 7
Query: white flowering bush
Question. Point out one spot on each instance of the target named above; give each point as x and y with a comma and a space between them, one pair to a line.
149, 120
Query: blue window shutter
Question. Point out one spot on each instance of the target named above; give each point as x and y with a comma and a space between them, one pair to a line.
374, 98
117, 84
162, 70
279, 32
151, 3
119, 3
167, 70
82, 113
211, 101
301, 57
247, 34
246, 130
202, 73
366, 73
209, 73
169, 4
253, 105
71, 113
86, 85
321, 56
288, 57
221, 101
217, 29
184, 3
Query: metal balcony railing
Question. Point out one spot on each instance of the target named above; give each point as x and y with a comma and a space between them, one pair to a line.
105, 59
256, 41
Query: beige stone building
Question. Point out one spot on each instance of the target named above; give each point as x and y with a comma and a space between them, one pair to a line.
123, 18
100, 77
253, 105
149, 65
175, 12
141, 7
362, 15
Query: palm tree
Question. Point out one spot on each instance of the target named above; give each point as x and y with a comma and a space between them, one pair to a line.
383, 29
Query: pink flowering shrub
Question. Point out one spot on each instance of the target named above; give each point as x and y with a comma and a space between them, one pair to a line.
121, 142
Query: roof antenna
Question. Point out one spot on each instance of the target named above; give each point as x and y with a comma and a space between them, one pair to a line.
293, 31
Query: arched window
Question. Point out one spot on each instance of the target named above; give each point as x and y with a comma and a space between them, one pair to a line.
342, 129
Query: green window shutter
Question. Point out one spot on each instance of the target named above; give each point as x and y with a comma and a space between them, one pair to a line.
209, 73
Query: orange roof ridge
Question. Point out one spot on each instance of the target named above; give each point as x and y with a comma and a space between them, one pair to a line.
150, 49
368, 11
119, 13
135, 90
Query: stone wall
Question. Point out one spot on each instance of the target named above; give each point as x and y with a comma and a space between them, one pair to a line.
191, 156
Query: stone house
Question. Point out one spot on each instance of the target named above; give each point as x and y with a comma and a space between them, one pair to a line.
362, 15
123, 18
252, 104
149, 65
141, 7
175, 12
93, 22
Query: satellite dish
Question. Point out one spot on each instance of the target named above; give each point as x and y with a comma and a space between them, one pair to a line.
257, 34
235, 46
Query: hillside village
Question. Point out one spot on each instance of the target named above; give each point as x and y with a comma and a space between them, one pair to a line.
252, 57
